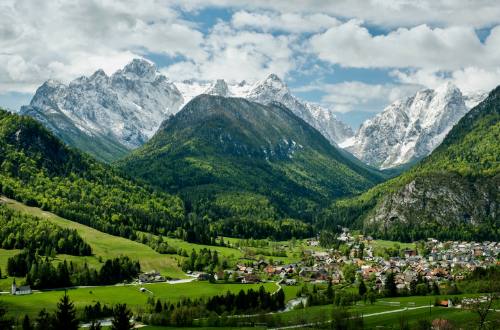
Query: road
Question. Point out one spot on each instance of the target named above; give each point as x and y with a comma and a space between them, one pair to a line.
364, 316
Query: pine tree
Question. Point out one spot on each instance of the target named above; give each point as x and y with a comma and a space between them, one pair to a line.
362, 288
65, 317
390, 285
158, 307
5, 323
43, 321
121, 318
27, 323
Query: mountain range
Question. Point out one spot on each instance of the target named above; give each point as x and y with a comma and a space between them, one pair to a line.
107, 116
451, 194
411, 128
233, 157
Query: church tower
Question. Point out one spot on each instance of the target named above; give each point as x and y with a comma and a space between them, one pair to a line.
13, 287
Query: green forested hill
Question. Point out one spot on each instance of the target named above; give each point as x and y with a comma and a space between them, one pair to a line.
38, 169
238, 160
453, 193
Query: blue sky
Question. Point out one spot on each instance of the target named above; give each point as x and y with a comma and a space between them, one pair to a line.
354, 56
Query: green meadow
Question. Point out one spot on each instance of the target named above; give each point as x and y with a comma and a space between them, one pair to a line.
129, 294
104, 245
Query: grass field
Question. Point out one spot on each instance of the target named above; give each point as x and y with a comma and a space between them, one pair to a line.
129, 294
107, 246
410, 309
379, 245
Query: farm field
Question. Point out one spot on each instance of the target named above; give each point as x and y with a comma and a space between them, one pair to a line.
129, 294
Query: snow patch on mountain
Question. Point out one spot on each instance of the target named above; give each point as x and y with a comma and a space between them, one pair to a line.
412, 128
273, 89
128, 106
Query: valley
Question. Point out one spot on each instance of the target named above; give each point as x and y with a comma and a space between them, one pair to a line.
249, 165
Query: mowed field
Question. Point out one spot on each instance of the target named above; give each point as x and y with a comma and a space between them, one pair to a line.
129, 294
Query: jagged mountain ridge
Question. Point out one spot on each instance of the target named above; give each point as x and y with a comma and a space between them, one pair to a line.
410, 129
451, 194
217, 148
107, 116
273, 89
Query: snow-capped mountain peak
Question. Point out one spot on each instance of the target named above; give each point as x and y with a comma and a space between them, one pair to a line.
409, 129
273, 89
126, 108
139, 69
219, 88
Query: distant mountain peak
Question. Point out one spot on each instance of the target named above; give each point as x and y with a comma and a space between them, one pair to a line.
139, 68
118, 113
219, 88
411, 128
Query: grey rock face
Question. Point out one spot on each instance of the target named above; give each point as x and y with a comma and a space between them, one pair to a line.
410, 129
127, 107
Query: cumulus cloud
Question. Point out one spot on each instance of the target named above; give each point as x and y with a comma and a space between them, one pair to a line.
355, 95
62, 40
352, 45
387, 13
236, 55
286, 22
469, 79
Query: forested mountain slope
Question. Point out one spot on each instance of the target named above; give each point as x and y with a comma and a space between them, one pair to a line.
38, 169
453, 193
239, 160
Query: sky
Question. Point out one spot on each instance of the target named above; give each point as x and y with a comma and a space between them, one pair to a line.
353, 56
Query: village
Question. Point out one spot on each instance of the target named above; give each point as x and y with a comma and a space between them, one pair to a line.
435, 262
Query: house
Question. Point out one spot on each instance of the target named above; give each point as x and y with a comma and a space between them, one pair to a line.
250, 279
150, 277
22, 290
203, 277
410, 253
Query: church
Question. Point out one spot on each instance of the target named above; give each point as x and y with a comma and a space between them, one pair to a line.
20, 290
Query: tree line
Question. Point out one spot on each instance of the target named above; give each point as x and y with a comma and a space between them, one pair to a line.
22, 231
41, 273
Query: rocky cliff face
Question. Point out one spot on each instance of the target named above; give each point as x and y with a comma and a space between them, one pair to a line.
121, 111
269, 90
410, 129
273, 89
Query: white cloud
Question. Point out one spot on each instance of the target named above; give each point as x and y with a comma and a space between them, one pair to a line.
352, 45
355, 95
62, 40
469, 79
236, 55
287, 22
387, 13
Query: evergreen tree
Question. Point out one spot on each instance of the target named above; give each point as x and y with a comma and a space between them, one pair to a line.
329, 291
280, 299
65, 316
390, 285
43, 321
27, 323
5, 323
362, 288
121, 318
158, 307
435, 289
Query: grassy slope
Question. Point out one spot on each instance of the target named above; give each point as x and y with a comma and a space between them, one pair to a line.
129, 294
107, 246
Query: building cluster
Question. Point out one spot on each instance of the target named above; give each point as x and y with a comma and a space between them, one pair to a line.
441, 261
